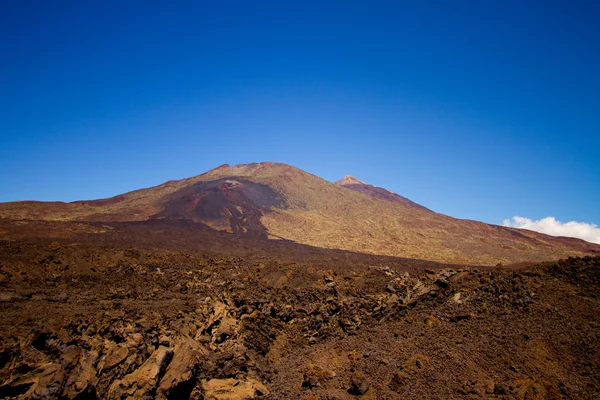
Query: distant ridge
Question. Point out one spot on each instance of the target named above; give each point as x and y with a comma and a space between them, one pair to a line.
352, 183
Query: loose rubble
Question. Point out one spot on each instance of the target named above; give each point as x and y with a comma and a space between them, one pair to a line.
184, 327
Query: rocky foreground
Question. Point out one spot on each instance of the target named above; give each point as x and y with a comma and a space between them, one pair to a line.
87, 322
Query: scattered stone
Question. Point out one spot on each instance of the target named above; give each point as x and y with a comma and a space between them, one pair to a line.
233, 389
115, 354
392, 299
398, 380
431, 321
166, 341
142, 381
391, 287
182, 369
464, 390
48, 384
358, 384
416, 363
527, 389
82, 379
458, 277
8, 296
456, 298
226, 329
442, 282
314, 376
461, 317
501, 388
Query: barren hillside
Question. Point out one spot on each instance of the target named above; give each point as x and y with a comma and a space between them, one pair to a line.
281, 201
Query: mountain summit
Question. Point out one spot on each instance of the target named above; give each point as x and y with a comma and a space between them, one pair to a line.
279, 201
349, 180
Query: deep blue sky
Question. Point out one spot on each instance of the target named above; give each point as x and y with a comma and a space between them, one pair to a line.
476, 109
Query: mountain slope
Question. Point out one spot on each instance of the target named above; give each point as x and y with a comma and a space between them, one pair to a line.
350, 182
281, 201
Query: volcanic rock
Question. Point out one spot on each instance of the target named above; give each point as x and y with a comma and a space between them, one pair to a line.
142, 382
233, 389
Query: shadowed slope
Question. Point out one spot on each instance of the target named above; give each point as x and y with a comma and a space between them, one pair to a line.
239, 203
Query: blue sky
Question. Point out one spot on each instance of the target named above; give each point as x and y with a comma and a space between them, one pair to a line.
477, 109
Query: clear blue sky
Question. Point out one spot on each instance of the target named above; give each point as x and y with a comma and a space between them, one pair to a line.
477, 109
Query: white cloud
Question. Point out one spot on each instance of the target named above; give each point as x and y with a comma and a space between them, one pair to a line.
551, 226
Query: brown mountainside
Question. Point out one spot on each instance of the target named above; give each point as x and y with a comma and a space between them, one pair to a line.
350, 182
280, 201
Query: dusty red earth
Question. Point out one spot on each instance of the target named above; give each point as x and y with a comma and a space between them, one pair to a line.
176, 310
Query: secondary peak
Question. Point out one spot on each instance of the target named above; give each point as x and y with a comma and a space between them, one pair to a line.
349, 180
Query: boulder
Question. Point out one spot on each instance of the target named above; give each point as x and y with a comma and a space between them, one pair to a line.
183, 367
226, 329
220, 325
49, 383
501, 388
358, 384
315, 375
233, 389
143, 381
431, 321
114, 355
82, 379
398, 381
416, 364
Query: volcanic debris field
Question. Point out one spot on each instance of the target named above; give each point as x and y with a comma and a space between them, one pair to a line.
88, 320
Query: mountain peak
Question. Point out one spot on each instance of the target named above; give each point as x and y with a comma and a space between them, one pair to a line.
349, 180
274, 200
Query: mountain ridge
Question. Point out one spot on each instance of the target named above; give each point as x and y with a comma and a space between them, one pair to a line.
352, 183
274, 200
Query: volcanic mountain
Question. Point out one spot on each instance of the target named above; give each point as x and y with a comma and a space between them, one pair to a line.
278, 201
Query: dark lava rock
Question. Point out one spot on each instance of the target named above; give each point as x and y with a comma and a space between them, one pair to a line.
359, 384
501, 388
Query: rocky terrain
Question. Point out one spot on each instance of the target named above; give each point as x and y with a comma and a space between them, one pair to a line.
83, 320
279, 201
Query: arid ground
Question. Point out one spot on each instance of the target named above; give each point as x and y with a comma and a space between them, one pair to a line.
236, 317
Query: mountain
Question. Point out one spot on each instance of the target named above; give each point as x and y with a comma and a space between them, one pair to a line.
278, 201
350, 182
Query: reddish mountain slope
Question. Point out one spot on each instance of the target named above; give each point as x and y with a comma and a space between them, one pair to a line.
350, 182
238, 203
